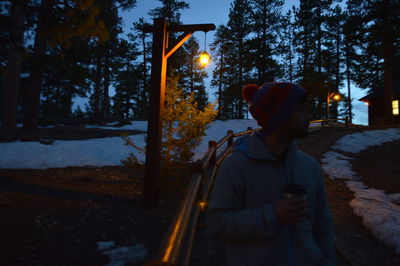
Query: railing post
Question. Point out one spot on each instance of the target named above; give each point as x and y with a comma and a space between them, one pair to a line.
197, 167
213, 143
249, 128
322, 124
230, 140
347, 122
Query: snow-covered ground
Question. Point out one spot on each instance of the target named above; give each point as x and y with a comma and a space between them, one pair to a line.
377, 209
97, 152
102, 151
119, 256
229, 124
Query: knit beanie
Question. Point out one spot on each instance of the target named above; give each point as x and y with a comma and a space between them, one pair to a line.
272, 103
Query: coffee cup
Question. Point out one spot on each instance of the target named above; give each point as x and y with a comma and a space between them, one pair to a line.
295, 191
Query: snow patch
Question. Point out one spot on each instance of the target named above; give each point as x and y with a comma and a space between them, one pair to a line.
379, 214
105, 245
337, 165
119, 256
98, 152
357, 142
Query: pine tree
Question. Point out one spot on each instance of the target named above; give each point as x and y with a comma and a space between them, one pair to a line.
192, 74
57, 24
127, 98
64, 77
332, 60
144, 65
266, 15
184, 126
12, 72
314, 64
380, 32
221, 48
239, 24
171, 11
106, 58
232, 45
352, 31
286, 46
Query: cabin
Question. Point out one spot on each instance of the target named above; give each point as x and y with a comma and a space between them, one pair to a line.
376, 106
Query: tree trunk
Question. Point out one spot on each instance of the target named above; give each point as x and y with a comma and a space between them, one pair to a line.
97, 90
388, 62
337, 74
11, 82
32, 96
191, 76
127, 103
106, 85
220, 84
240, 85
290, 53
262, 65
306, 52
144, 89
350, 115
388, 77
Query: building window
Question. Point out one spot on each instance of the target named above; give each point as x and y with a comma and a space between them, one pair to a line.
395, 106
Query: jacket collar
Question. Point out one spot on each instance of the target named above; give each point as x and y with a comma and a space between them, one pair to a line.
254, 147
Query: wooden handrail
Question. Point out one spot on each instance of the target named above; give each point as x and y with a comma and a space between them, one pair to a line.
209, 156
170, 250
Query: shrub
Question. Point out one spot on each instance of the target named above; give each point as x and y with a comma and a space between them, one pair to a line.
184, 126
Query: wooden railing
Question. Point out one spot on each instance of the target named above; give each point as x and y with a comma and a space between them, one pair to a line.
325, 122
177, 245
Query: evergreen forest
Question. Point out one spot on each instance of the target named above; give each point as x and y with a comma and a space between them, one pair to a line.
54, 52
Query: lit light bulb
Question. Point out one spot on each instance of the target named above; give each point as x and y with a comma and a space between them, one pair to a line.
336, 97
204, 58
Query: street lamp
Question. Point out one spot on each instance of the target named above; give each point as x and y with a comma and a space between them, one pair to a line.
162, 50
336, 97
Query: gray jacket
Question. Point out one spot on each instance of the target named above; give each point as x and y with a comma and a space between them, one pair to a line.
249, 183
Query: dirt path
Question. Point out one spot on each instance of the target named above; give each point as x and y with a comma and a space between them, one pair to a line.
56, 216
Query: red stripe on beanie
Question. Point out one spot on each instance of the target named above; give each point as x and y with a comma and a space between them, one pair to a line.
248, 91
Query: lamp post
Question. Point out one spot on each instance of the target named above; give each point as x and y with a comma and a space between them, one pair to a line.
336, 97
161, 52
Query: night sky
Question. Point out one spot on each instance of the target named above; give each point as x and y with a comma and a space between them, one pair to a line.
216, 12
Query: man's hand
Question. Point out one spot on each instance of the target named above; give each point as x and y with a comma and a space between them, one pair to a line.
290, 211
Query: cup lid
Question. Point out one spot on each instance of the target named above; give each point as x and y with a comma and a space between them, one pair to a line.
294, 188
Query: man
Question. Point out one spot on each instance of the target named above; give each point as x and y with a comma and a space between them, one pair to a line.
248, 208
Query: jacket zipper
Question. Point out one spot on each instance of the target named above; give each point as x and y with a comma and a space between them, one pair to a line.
291, 256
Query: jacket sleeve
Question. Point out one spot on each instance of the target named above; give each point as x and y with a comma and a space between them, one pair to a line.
323, 225
227, 219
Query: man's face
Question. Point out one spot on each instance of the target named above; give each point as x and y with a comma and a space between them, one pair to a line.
297, 125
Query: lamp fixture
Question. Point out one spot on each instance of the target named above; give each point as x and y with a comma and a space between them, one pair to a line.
204, 57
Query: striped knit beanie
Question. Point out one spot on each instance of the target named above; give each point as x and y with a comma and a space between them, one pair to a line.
272, 103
